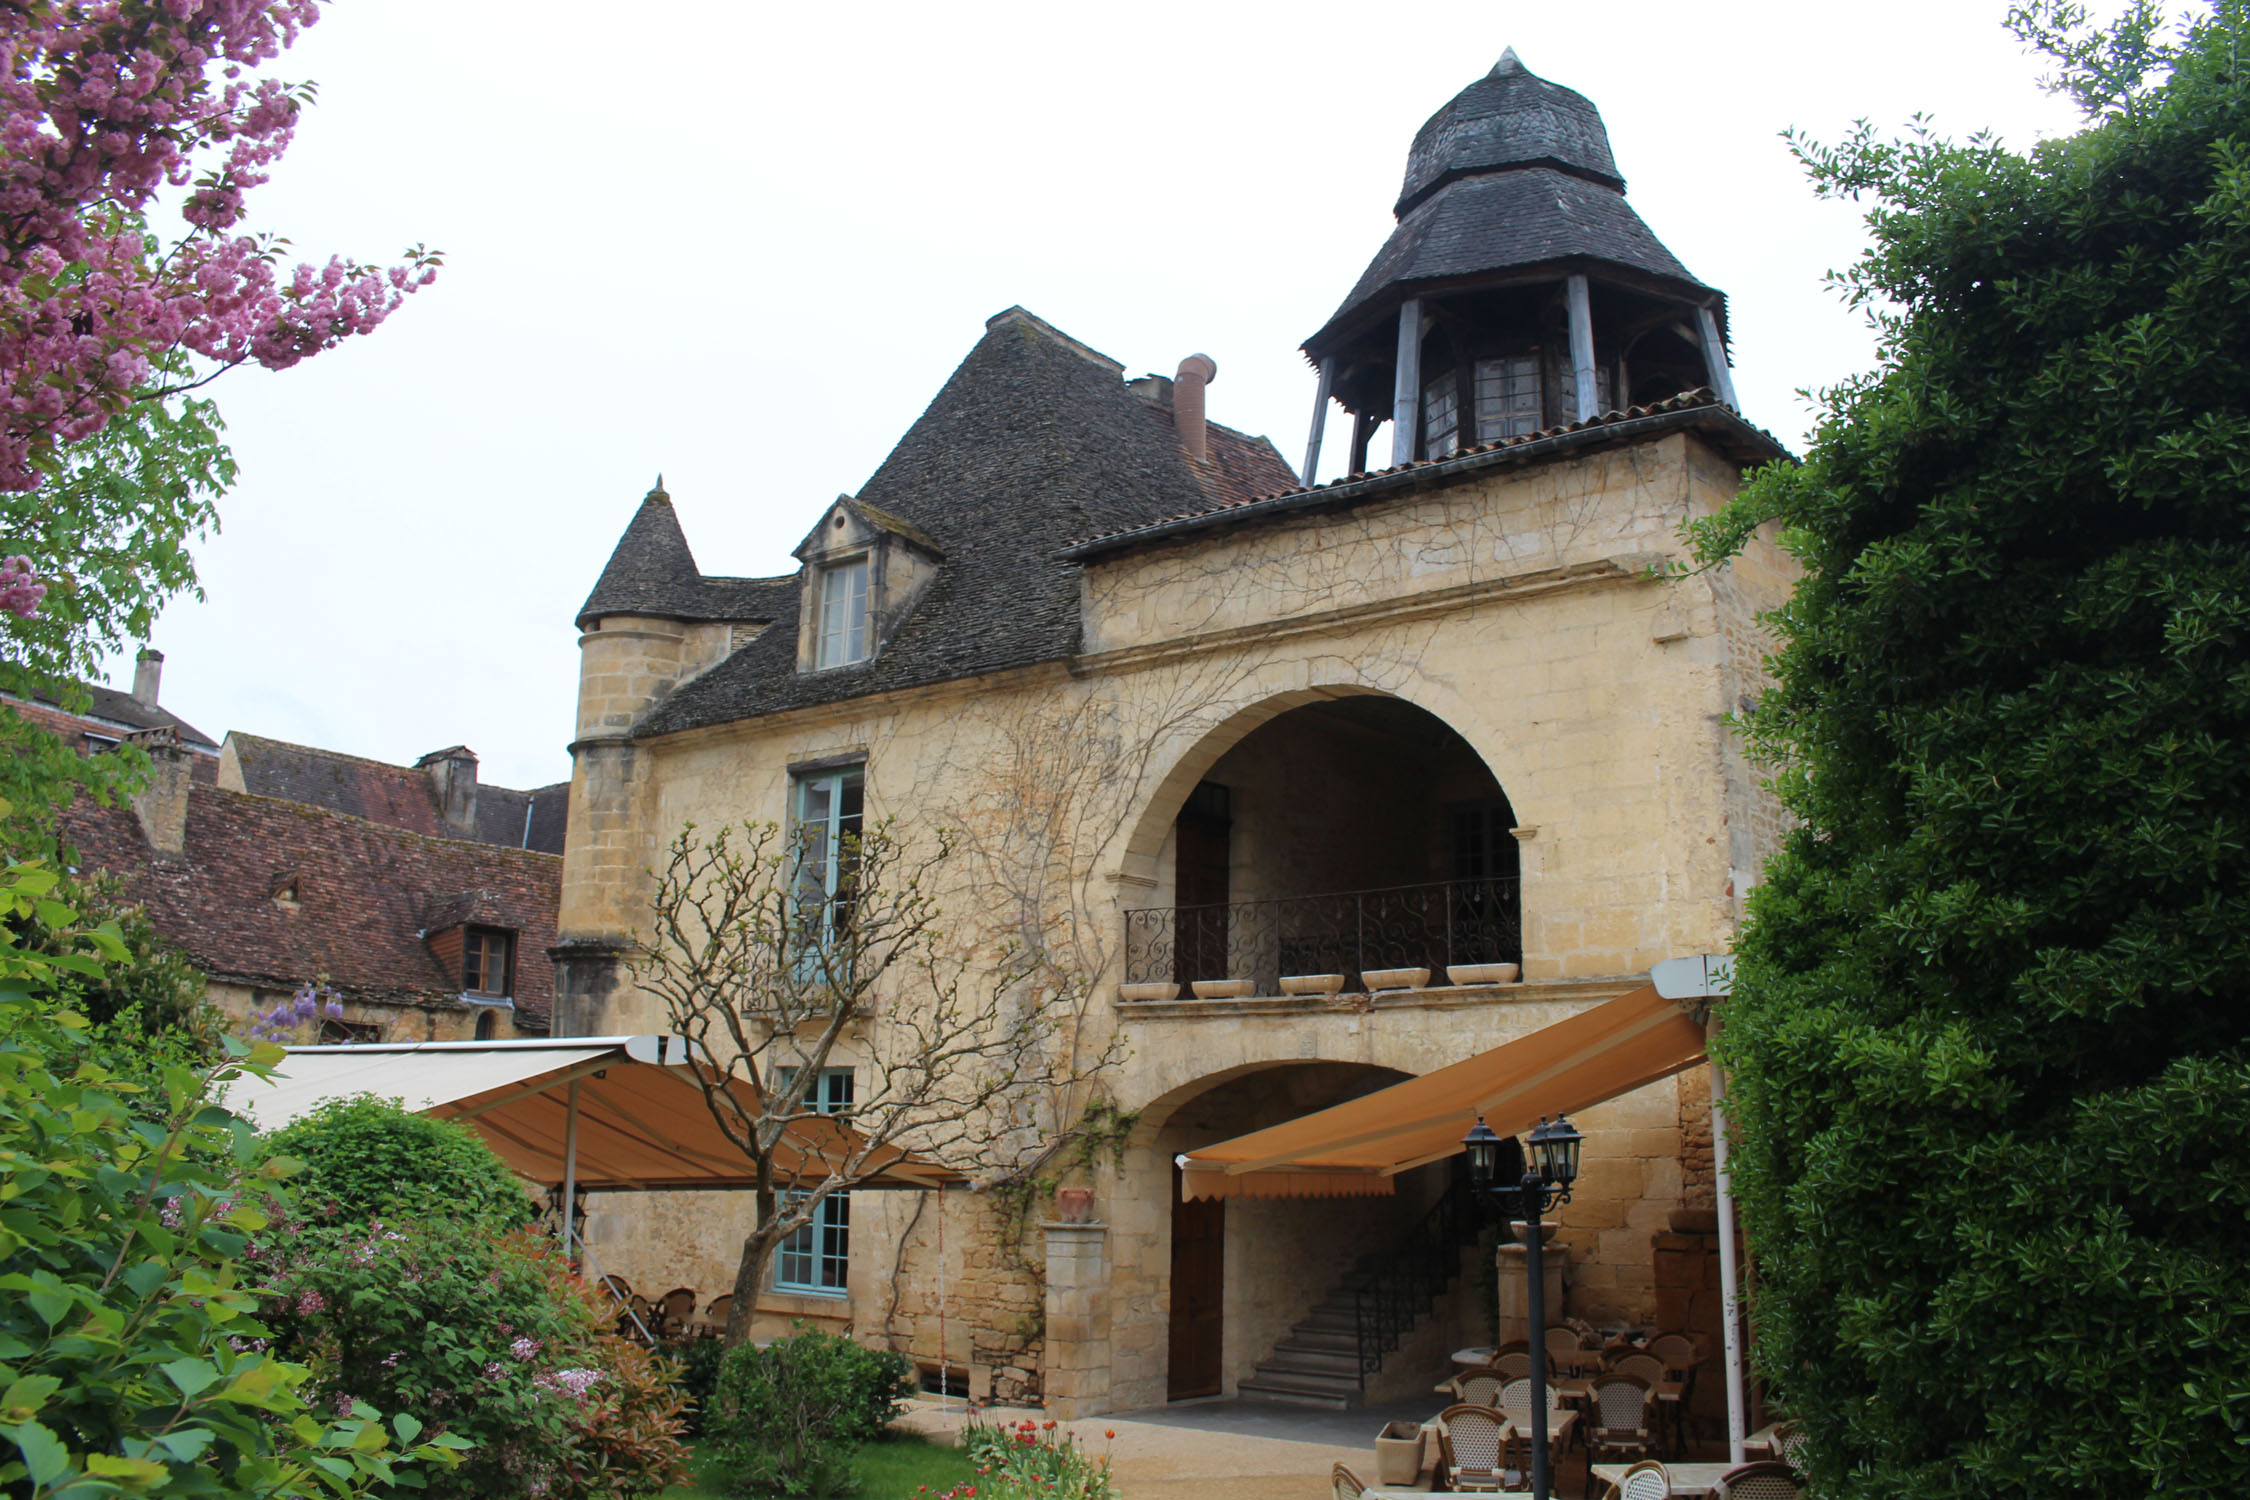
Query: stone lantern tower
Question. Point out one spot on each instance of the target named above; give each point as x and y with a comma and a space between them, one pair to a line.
1519, 292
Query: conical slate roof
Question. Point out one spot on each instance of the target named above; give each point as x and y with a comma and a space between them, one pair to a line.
1514, 172
1511, 117
652, 572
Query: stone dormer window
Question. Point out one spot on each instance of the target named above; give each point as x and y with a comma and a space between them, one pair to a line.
864, 571
840, 632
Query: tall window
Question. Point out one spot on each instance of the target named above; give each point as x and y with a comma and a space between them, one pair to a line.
485, 955
827, 825
842, 624
817, 1258
1508, 397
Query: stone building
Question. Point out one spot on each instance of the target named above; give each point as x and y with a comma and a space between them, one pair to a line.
1244, 754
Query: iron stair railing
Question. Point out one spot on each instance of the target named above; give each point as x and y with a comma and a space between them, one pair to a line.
1391, 1291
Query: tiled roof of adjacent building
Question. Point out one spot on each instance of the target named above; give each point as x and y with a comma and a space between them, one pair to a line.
402, 796
120, 713
1698, 410
1034, 440
365, 893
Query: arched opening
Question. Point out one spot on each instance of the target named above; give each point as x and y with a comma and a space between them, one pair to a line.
1345, 835
487, 1026
1241, 1273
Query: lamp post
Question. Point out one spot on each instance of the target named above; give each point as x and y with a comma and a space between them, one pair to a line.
1547, 1181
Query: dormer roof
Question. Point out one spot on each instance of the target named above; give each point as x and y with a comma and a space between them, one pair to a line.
874, 518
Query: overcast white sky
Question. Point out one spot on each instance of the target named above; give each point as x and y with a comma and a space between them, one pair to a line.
744, 244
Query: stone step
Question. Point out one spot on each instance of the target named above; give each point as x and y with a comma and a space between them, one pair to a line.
1311, 1362
1301, 1390
1305, 1336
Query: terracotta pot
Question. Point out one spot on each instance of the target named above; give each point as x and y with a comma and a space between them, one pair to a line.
1074, 1205
1311, 984
1223, 989
1483, 973
1149, 991
1396, 979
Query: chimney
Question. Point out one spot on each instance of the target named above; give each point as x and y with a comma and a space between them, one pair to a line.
453, 776
162, 806
148, 673
1196, 372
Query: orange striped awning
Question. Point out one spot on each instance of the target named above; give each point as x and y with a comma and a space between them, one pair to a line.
1360, 1146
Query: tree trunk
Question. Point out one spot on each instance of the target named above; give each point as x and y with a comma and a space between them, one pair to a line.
750, 1275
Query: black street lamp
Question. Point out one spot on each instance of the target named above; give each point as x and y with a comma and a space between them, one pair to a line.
1546, 1183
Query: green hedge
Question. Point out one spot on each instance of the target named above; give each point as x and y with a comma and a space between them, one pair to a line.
366, 1158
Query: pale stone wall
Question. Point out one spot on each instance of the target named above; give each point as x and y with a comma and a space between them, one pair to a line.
1525, 609
445, 1022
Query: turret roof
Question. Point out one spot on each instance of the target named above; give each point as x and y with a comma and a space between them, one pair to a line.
652, 572
1511, 117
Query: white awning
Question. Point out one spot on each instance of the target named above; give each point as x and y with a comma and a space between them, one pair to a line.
641, 1119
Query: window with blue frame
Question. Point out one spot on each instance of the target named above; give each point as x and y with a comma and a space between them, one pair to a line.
817, 1258
826, 819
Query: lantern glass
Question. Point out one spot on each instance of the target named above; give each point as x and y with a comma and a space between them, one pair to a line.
1484, 1153
1554, 1150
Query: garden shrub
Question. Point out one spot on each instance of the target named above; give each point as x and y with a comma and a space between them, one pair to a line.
366, 1158
484, 1336
131, 1354
695, 1369
1990, 1032
787, 1418
1030, 1460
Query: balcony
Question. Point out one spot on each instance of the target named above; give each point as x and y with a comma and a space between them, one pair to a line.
1433, 926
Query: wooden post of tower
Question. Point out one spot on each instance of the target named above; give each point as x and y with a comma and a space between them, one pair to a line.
1406, 396
1582, 349
1319, 419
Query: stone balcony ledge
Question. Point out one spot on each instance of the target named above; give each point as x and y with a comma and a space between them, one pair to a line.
1430, 997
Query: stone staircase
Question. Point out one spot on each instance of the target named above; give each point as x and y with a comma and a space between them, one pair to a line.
1320, 1362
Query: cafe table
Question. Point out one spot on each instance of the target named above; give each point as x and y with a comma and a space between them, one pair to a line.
1687, 1479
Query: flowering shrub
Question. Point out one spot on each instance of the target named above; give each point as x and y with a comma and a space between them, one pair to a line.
132, 1357
1029, 1458
295, 1022
787, 1418
20, 588
366, 1158
481, 1336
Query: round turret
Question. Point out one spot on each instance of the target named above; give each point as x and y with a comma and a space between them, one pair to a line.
1509, 118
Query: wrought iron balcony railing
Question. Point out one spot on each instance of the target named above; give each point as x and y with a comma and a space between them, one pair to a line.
1347, 932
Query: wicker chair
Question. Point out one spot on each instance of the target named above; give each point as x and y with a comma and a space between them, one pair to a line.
1343, 1484
1515, 1405
1619, 1418
714, 1321
617, 1287
1478, 1387
1645, 1366
1678, 1351
1472, 1442
1788, 1438
1646, 1480
675, 1311
1514, 1365
641, 1321
1566, 1355
1759, 1481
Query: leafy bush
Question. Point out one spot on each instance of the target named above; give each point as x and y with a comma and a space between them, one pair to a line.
1991, 1027
1030, 1460
486, 1337
695, 1370
788, 1417
131, 1354
366, 1159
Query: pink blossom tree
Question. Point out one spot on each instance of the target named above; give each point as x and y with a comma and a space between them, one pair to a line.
116, 115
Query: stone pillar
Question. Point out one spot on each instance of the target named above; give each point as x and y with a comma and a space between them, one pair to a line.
1076, 1361
1513, 1298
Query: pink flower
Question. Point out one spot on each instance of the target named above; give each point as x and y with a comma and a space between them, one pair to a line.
524, 1348
310, 1303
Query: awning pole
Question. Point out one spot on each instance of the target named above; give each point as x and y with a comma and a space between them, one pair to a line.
570, 1178
1730, 1314
944, 1373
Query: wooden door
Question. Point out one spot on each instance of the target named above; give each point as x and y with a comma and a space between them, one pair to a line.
1199, 1241
1202, 850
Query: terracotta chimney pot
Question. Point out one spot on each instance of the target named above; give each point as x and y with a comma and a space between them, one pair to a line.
1196, 372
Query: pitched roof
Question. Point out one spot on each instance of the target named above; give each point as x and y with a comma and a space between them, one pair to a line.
108, 708
1511, 117
652, 572
1698, 411
365, 892
401, 796
1034, 440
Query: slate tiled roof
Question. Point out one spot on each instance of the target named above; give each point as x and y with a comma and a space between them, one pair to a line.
652, 572
1698, 410
1033, 441
364, 893
401, 796
111, 712
1515, 172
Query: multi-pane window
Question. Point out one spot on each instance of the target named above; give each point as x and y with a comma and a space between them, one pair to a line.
827, 821
817, 1258
1441, 418
485, 956
1508, 397
841, 623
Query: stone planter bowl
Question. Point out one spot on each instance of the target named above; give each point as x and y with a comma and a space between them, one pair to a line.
1311, 984
1223, 989
1396, 979
1547, 1228
1149, 991
1483, 973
